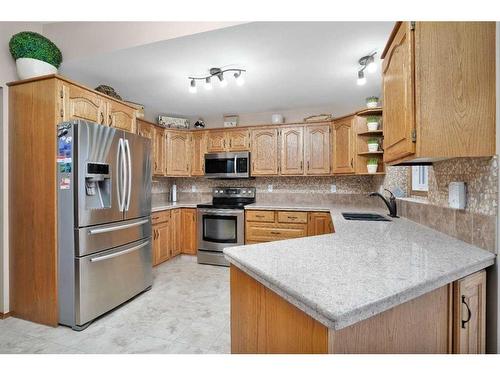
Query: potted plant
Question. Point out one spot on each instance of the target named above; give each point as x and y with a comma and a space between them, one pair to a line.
35, 55
372, 102
373, 145
372, 122
372, 165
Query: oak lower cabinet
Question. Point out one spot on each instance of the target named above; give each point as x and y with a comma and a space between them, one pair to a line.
317, 149
178, 153
266, 226
177, 231
343, 148
162, 237
264, 148
189, 231
198, 151
434, 107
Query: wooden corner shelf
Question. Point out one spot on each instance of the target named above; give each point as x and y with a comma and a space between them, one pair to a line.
368, 153
370, 112
370, 174
373, 133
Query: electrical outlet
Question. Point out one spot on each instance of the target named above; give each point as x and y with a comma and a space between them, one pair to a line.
193, 188
270, 188
333, 188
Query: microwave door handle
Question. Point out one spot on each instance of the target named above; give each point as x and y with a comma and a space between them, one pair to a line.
129, 174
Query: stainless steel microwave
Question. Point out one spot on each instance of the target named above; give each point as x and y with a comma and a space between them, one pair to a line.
227, 165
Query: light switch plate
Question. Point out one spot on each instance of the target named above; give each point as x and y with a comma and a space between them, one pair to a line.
270, 188
457, 195
333, 188
193, 188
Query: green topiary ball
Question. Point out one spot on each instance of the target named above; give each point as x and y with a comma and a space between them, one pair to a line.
35, 46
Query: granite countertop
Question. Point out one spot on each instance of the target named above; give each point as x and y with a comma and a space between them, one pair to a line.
361, 270
164, 205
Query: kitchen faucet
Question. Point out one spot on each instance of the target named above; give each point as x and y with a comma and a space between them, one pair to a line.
391, 203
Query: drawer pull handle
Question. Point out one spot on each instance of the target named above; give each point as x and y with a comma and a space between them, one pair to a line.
293, 217
260, 216
114, 255
469, 314
275, 232
117, 227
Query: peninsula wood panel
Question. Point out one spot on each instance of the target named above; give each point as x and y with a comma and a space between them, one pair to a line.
343, 150
263, 322
292, 151
33, 117
455, 89
317, 149
238, 140
199, 149
264, 151
189, 231
319, 223
398, 92
470, 314
178, 153
421, 325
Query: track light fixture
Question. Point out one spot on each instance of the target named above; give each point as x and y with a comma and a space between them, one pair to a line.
219, 73
367, 62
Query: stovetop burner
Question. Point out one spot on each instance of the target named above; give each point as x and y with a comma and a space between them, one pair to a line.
230, 198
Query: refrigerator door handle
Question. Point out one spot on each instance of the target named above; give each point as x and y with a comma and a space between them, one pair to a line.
114, 255
119, 178
129, 174
117, 227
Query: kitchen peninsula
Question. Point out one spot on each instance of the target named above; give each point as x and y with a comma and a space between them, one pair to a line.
370, 287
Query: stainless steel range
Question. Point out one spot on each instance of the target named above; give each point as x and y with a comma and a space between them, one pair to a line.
222, 223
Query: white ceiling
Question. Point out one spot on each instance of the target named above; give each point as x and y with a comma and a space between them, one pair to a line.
289, 65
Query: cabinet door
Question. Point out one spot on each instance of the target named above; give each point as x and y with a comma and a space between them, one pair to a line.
216, 141
177, 243
162, 242
121, 116
199, 148
317, 149
343, 152
82, 104
292, 151
189, 232
319, 223
399, 95
145, 130
159, 152
264, 152
238, 140
178, 153
469, 314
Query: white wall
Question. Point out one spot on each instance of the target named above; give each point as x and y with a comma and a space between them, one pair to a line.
84, 39
7, 74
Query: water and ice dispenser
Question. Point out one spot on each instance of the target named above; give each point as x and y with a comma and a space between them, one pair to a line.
98, 186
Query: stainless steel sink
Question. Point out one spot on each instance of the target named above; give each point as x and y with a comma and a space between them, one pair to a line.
364, 216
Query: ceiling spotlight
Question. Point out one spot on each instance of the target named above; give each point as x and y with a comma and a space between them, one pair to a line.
208, 84
192, 87
222, 81
371, 66
240, 81
361, 78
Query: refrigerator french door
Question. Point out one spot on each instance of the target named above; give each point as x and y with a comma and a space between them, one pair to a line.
104, 224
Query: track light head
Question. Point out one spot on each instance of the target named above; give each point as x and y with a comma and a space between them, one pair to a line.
240, 81
222, 81
371, 66
192, 87
361, 78
208, 83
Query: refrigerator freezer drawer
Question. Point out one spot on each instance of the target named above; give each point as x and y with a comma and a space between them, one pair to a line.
109, 278
101, 237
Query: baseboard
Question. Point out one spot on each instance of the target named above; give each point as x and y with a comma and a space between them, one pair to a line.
4, 315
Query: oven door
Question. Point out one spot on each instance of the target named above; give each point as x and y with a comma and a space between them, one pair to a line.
227, 165
220, 228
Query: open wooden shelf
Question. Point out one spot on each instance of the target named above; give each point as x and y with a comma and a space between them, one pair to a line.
368, 153
373, 133
370, 112
369, 174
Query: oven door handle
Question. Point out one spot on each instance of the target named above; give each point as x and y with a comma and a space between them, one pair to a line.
223, 212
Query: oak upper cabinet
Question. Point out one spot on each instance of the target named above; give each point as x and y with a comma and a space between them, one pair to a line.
216, 141
121, 116
319, 223
343, 150
439, 91
238, 140
159, 152
264, 148
178, 153
317, 149
292, 151
79, 103
189, 231
469, 314
198, 150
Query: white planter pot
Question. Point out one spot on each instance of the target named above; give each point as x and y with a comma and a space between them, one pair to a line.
372, 168
372, 147
29, 68
372, 126
372, 104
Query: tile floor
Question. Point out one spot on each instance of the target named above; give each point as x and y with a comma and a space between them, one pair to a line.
186, 311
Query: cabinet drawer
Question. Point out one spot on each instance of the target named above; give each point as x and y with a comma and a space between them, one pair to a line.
160, 216
260, 216
292, 217
262, 232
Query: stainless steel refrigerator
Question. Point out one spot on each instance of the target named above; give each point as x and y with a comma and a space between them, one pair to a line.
104, 219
